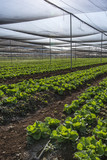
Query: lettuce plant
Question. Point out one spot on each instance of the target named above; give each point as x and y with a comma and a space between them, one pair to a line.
100, 131
10, 100
71, 108
63, 134
1, 93
38, 130
87, 115
86, 155
77, 123
52, 122
22, 95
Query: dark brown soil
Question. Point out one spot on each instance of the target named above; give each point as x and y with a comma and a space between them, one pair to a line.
13, 143
46, 74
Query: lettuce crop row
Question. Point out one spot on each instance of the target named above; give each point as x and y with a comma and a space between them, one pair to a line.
91, 103
85, 129
12, 96
19, 68
58, 84
91, 100
23, 68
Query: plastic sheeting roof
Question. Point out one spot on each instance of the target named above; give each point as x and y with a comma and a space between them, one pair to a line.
35, 22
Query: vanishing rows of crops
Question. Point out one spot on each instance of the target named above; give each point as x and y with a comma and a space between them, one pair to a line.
84, 127
14, 97
19, 68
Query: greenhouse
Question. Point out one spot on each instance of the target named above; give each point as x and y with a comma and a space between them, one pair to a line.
53, 79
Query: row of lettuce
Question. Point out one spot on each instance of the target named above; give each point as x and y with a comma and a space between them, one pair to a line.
13, 97
38, 66
84, 127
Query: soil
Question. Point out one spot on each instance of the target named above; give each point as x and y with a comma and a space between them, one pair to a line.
45, 74
13, 137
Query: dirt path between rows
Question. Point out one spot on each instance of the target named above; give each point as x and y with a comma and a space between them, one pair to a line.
46, 74
13, 143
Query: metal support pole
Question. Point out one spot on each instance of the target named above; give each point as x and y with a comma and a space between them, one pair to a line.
101, 46
42, 52
10, 52
75, 52
89, 52
50, 49
71, 38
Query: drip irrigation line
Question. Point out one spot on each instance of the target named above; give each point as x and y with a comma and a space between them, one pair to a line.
40, 155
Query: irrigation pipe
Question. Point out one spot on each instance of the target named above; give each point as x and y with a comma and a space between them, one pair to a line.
40, 155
